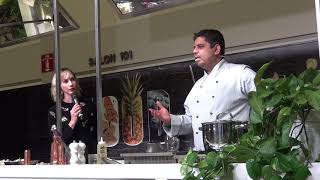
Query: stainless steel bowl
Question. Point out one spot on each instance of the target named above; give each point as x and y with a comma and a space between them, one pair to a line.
156, 147
238, 129
217, 134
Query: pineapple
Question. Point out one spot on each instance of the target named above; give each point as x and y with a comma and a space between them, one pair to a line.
131, 104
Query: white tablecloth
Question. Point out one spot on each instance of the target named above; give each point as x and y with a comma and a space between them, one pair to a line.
113, 171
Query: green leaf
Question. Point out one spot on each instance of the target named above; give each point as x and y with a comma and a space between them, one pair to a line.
243, 153
267, 147
5, 2
313, 98
202, 164
281, 84
212, 159
285, 138
255, 118
191, 157
285, 162
283, 115
274, 100
275, 177
308, 75
187, 164
275, 164
229, 148
265, 88
292, 85
186, 170
256, 103
302, 173
300, 99
249, 139
316, 80
245, 139
2, 2
266, 172
253, 169
260, 73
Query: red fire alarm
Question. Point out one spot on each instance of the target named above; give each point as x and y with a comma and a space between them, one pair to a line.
47, 62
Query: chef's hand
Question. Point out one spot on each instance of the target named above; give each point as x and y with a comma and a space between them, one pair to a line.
74, 112
161, 113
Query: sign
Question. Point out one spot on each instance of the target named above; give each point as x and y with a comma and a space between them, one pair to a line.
112, 58
47, 63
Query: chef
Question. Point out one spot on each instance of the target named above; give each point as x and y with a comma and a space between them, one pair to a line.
222, 91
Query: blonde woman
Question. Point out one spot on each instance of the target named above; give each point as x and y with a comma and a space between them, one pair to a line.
78, 119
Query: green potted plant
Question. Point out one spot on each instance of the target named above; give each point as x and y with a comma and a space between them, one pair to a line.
269, 149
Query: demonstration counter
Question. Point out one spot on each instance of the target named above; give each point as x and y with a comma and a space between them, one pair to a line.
114, 171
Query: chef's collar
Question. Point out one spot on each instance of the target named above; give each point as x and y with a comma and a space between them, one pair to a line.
215, 68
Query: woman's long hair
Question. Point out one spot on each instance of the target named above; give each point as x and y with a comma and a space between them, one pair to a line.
63, 73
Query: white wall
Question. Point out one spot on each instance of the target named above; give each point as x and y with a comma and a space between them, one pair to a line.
164, 36
20, 64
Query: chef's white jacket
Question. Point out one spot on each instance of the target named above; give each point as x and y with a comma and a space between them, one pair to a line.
223, 91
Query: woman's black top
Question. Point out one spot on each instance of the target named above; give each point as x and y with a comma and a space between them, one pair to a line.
86, 128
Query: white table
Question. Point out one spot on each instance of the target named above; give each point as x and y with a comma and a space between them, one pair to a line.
113, 171
88, 171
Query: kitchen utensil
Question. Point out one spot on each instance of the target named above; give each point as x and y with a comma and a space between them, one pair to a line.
160, 130
173, 143
155, 124
192, 74
21, 162
217, 134
153, 147
238, 129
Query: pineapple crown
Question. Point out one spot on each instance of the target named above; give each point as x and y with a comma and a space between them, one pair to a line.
131, 91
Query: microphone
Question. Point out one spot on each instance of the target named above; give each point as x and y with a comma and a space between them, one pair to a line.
76, 101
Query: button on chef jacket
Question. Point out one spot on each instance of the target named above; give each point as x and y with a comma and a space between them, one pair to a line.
223, 91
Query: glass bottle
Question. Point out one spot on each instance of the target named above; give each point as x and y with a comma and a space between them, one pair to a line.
61, 155
101, 151
57, 155
54, 156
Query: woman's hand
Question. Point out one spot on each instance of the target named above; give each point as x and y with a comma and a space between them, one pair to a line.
74, 113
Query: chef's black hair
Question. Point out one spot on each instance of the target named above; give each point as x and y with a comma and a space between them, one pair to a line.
212, 36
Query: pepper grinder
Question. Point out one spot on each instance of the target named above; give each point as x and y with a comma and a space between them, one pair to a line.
74, 149
82, 147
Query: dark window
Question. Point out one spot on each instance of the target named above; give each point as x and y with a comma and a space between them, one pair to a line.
128, 8
21, 20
